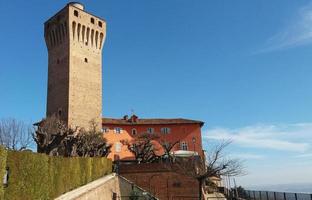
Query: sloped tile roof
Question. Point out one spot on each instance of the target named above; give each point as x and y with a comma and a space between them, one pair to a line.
153, 121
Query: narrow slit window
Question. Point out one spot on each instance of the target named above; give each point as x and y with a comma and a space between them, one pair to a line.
86, 60
74, 29
56, 36
78, 31
63, 31
83, 33
88, 35
101, 40
65, 27
59, 34
92, 36
54, 40
96, 38
50, 39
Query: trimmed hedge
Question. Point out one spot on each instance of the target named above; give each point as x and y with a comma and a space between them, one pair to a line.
38, 176
3, 157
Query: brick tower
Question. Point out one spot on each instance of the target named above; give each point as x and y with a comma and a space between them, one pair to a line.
75, 39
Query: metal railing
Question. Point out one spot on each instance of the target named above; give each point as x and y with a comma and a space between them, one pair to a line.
268, 195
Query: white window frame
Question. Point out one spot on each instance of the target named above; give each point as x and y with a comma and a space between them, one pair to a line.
165, 130
184, 146
118, 147
105, 129
150, 130
117, 130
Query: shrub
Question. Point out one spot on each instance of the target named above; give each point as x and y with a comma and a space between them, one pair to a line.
3, 157
39, 176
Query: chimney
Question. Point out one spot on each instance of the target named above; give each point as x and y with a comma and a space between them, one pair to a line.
133, 118
125, 117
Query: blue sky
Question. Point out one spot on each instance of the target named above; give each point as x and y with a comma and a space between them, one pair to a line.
243, 67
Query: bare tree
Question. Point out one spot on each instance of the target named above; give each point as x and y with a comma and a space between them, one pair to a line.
216, 165
167, 147
143, 147
15, 134
53, 137
91, 143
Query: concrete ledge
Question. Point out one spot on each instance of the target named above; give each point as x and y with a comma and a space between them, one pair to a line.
81, 191
105, 188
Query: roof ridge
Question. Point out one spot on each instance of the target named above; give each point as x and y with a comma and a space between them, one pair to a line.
151, 121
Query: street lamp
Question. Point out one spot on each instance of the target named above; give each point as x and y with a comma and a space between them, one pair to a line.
194, 141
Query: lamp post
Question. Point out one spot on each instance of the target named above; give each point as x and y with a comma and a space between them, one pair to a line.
194, 141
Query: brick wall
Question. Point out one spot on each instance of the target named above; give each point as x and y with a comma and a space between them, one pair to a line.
161, 181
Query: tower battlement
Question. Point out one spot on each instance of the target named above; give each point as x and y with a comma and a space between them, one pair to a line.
74, 40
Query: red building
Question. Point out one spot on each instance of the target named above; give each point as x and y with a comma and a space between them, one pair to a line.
186, 131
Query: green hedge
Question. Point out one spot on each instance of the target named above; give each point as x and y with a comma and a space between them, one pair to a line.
3, 157
38, 176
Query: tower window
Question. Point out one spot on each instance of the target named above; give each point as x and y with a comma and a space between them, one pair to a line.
100, 24
76, 13
86, 60
59, 112
134, 131
92, 20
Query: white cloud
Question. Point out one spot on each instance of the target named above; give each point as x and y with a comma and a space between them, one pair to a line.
297, 32
291, 137
305, 155
247, 156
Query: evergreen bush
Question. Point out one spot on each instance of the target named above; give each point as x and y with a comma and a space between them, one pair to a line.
39, 176
3, 157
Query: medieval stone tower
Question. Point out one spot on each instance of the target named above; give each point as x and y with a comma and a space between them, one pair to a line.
75, 39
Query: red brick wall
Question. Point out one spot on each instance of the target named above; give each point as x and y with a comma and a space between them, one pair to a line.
161, 181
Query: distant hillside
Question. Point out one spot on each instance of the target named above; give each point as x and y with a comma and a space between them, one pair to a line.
293, 187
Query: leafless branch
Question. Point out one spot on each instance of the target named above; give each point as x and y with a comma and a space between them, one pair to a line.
15, 134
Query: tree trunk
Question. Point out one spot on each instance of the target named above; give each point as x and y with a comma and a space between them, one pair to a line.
200, 194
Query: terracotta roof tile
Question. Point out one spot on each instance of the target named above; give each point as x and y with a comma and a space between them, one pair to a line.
153, 121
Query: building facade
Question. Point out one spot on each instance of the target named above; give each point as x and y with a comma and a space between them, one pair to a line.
184, 131
75, 39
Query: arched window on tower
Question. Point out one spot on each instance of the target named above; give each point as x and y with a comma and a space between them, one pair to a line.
101, 40
92, 36
78, 31
88, 35
74, 29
